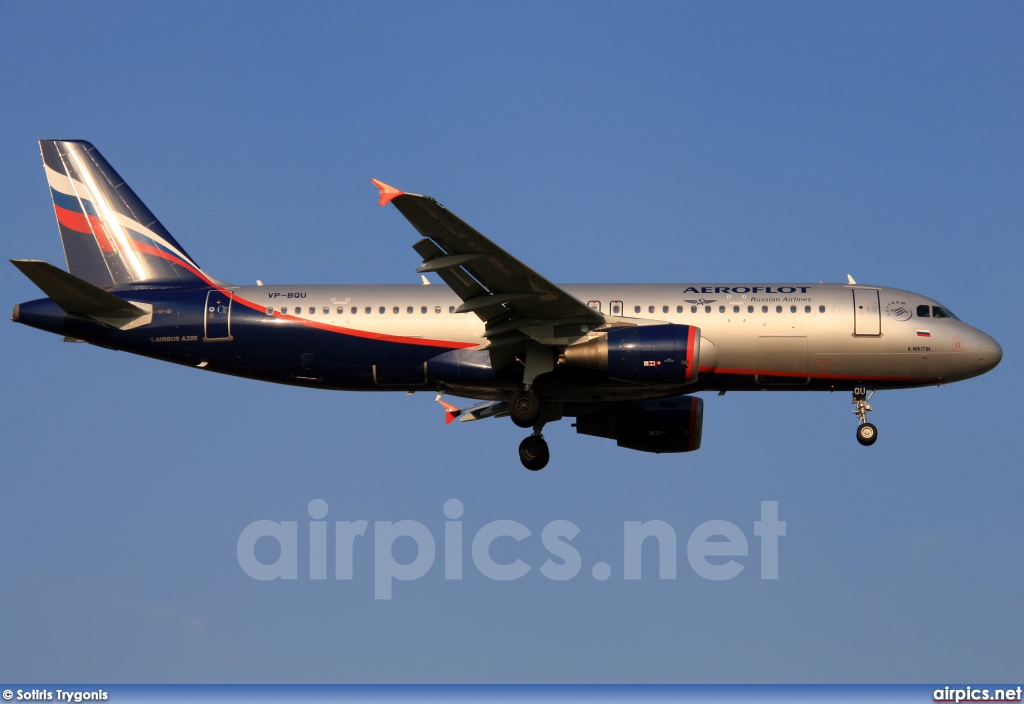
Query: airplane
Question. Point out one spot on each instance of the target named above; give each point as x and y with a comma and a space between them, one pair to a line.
624, 360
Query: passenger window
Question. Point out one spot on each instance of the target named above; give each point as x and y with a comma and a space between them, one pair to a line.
270, 311
423, 310
693, 309
821, 309
409, 310
650, 309
355, 309
327, 310
382, 310
750, 309
451, 309
707, 309
284, 311
312, 310
807, 309
735, 309
368, 310
721, 309
437, 309
764, 309
792, 309
395, 310
664, 309
636, 309
679, 309
341, 310
778, 309
923, 311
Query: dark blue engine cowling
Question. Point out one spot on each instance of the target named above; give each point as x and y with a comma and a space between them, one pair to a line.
653, 353
660, 425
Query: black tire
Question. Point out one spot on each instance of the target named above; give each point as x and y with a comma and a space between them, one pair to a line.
524, 409
867, 434
533, 453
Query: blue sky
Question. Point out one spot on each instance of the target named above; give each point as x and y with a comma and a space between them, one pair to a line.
661, 142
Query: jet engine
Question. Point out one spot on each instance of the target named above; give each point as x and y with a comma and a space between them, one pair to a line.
651, 353
660, 425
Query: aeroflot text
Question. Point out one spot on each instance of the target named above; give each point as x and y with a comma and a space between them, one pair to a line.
710, 548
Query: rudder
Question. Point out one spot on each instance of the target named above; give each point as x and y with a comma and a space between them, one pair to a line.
110, 237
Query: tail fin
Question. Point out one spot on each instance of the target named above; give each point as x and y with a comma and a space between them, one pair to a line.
110, 237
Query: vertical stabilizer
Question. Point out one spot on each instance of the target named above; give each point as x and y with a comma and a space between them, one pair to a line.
110, 237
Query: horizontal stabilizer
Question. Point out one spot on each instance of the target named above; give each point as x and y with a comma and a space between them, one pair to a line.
74, 295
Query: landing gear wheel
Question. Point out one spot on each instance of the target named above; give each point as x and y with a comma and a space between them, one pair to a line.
524, 409
533, 453
867, 434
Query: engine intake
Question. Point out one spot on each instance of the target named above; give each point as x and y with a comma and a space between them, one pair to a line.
654, 353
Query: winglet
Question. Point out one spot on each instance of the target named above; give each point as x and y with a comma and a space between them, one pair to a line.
387, 193
450, 412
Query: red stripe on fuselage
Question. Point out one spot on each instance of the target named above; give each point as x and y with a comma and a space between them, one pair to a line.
149, 249
383, 337
811, 375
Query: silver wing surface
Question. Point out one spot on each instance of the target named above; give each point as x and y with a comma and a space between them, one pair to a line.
517, 304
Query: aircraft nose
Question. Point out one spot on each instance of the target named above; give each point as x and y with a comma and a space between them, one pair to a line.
989, 352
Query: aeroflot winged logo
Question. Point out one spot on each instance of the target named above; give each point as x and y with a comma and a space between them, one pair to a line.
899, 310
700, 301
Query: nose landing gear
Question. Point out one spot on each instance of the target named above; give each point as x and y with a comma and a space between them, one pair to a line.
866, 432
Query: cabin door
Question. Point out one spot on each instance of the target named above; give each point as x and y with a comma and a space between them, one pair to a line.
218, 317
867, 314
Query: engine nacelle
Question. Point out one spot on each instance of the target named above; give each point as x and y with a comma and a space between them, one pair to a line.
652, 353
660, 425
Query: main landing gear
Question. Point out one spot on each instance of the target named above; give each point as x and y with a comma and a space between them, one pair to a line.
866, 432
533, 452
524, 409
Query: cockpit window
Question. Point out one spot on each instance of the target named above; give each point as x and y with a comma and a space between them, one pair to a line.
923, 311
940, 312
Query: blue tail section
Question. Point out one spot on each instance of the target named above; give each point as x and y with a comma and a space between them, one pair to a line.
110, 237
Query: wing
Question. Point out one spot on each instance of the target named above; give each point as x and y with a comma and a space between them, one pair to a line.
516, 303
